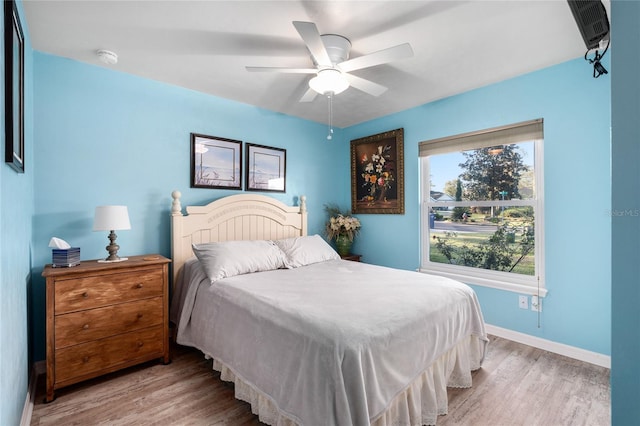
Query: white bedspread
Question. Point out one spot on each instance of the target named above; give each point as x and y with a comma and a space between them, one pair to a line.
330, 343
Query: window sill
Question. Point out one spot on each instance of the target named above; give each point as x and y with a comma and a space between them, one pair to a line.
524, 285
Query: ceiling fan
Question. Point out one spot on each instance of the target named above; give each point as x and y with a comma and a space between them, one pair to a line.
330, 55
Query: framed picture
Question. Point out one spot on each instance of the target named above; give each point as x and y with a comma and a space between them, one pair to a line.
13, 87
266, 168
215, 162
377, 173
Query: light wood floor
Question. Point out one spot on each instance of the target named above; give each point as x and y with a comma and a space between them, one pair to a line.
517, 385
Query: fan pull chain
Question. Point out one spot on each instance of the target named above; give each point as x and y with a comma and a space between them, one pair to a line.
330, 98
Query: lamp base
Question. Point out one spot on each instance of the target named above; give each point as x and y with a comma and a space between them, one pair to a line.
120, 259
112, 248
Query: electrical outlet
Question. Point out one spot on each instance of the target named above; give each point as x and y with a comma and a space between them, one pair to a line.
536, 304
523, 302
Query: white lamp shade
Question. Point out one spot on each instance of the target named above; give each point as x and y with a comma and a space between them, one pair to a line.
329, 80
111, 218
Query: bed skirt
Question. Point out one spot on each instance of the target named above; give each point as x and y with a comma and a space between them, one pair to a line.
419, 404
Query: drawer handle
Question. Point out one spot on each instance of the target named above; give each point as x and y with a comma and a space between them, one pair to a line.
139, 285
85, 294
140, 315
85, 359
85, 327
140, 344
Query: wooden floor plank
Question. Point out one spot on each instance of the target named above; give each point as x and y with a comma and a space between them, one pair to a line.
517, 385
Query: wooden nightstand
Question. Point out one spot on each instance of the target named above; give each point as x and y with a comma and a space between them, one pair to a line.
102, 317
352, 257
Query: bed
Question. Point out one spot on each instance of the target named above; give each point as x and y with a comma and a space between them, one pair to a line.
311, 339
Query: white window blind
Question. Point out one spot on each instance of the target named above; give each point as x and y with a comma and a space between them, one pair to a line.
504, 135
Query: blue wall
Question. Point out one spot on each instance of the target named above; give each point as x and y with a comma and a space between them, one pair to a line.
16, 210
132, 147
575, 109
105, 137
625, 71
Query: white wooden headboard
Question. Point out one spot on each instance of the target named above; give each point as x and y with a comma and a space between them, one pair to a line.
236, 217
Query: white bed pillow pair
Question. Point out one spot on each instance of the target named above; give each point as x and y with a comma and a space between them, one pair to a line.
229, 258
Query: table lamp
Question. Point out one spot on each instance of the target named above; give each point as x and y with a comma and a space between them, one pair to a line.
111, 218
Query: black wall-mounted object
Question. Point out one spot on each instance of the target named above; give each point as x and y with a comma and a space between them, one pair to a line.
592, 20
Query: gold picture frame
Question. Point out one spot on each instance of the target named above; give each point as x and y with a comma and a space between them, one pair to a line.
377, 173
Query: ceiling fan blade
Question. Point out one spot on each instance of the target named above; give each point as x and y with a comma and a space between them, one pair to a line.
283, 70
383, 56
309, 95
311, 37
374, 89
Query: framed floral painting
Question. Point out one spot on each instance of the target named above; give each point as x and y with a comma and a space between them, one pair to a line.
377, 173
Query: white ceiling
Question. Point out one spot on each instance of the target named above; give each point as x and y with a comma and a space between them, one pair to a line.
205, 46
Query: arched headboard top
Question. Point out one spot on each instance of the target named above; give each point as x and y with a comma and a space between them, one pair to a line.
236, 217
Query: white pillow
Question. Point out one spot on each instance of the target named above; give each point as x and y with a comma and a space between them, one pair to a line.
301, 251
230, 258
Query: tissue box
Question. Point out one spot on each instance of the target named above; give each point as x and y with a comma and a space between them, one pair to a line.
64, 258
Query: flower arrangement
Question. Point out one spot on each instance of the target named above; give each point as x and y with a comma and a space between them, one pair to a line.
377, 173
341, 223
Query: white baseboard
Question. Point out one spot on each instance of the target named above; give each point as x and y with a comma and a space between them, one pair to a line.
38, 369
547, 345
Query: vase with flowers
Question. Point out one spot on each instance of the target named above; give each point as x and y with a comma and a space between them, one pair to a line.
341, 227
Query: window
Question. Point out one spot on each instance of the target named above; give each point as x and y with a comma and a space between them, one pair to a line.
482, 214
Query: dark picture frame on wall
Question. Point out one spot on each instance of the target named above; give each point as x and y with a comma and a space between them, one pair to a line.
266, 168
377, 173
215, 162
13, 87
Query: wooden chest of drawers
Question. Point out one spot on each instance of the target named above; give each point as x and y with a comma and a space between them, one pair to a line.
102, 317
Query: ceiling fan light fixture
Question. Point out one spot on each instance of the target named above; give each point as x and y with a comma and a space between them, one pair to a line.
329, 80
